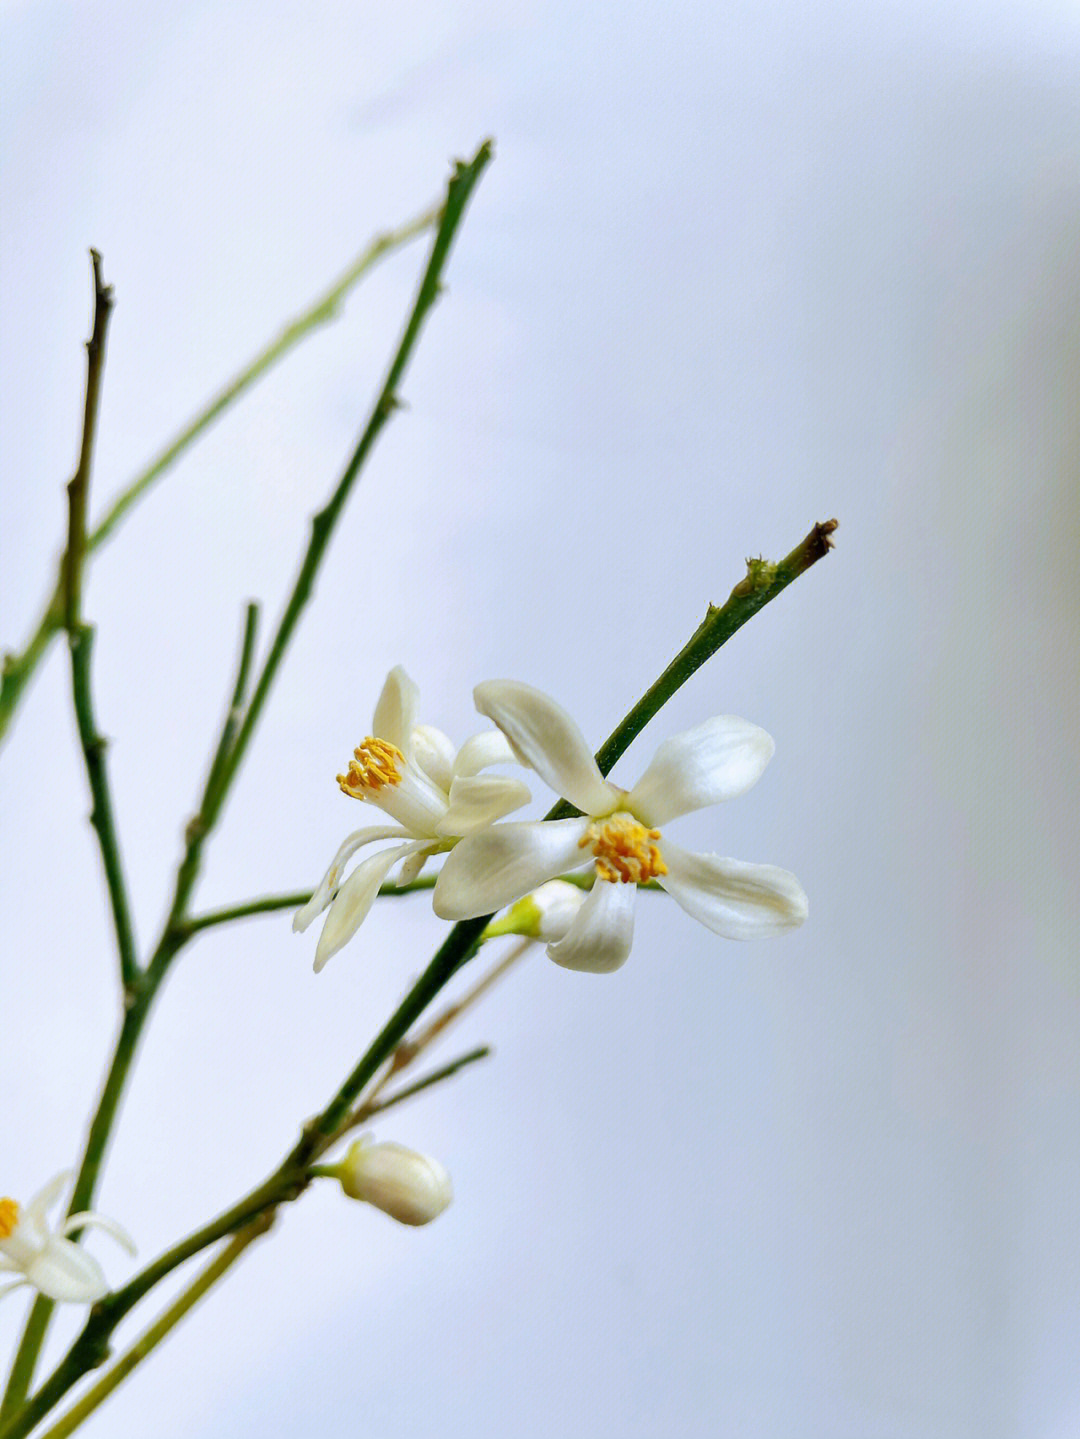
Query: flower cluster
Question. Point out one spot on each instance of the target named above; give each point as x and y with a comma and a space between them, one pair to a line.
443, 803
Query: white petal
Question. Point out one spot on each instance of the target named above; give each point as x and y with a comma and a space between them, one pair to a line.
17, 1284
65, 1272
355, 898
395, 714
599, 939
329, 882
733, 899
498, 865
479, 800
433, 752
488, 748
417, 803
89, 1220
718, 760
44, 1199
411, 867
544, 737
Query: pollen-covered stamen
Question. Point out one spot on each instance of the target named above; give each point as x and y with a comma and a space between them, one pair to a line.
624, 849
9, 1217
376, 764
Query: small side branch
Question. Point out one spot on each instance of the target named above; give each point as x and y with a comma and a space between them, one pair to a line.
19, 667
81, 638
79, 486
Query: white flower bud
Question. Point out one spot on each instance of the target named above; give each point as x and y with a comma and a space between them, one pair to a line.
558, 903
546, 914
410, 1187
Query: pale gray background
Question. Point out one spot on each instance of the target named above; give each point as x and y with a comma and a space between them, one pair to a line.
735, 269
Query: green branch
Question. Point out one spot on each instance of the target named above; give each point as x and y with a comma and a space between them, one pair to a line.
81, 637
223, 769
18, 669
762, 584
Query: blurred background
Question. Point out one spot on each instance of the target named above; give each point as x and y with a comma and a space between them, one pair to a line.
734, 269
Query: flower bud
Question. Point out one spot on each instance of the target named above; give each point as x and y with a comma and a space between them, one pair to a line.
546, 914
410, 1187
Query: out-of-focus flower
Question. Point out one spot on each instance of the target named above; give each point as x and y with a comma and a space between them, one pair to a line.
619, 831
433, 793
412, 1188
47, 1259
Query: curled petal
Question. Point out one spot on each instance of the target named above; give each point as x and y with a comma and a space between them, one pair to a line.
544, 737
63, 1271
395, 713
433, 752
733, 899
411, 867
484, 749
493, 868
477, 801
89, 1220
329, 882
355, 898
715, 761
46, 1197
602, 932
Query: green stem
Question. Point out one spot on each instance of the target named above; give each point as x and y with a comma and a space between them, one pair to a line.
458, 193
762, 583
79, 486
235, 711
22, 1369
19, 669
158, 1331
291, 1178
86, 1352
94, 747
274, 902
435, 1077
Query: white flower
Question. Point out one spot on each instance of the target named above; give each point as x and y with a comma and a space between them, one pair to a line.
620, 831
434, 794
412, 1188
52, 1263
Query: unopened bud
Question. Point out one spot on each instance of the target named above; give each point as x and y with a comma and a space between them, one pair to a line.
412, 1188
546, 914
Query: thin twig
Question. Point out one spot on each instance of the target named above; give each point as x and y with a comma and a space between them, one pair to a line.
18, 668
88, 1350
81, 637
270, 904
291, 1177
160, 1329
235, 711
376, 1106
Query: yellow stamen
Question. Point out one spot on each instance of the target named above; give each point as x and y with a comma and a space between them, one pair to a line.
376, 764
9, 1217
624, 850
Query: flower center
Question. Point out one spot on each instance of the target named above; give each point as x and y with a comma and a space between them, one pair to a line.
9, 1217
375, 764
624, 849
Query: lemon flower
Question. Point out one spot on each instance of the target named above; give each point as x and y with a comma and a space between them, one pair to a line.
619, 830
48, 1259
433, 793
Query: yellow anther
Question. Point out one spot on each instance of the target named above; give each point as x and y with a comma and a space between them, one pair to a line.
376, 764
624, 849
9, 1217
